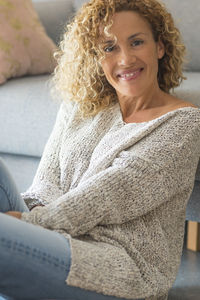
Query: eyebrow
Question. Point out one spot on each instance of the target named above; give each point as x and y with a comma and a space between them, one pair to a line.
129, 38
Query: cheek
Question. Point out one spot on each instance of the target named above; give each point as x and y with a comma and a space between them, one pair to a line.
152, 62
107, 67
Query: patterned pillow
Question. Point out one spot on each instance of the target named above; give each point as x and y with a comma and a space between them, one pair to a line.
25, 47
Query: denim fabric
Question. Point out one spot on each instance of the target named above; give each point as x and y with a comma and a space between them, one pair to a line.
34, 261
10, 198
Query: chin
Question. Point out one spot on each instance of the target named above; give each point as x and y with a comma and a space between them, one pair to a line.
130, 93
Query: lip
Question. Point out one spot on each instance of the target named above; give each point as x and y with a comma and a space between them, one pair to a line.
129, 74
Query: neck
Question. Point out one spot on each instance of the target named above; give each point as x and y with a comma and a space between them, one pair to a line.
131, 105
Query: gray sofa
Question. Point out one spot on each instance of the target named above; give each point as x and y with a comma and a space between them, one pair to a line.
27, 110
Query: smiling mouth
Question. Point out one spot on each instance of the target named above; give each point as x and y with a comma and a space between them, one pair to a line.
130, 75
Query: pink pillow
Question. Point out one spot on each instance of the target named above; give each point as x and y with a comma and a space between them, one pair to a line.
25, 47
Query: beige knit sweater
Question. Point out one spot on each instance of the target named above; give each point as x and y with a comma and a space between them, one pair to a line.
119, 192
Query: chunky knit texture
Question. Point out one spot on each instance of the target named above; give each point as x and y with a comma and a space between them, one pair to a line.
119, 192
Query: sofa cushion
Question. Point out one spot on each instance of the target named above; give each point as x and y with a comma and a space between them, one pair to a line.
54, 14
79, 3
186, 15
193, 207
198, 172
189, 90
22, 169
25, 47
27, 115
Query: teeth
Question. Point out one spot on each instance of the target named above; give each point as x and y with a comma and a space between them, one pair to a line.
129, 74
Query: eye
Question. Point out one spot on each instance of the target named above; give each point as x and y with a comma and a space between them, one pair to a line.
137, 43
109, 49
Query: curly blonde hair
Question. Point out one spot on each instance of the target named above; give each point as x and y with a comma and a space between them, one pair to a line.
79, 76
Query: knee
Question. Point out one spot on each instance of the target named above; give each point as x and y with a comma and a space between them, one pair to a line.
3, 168
2, 164
5, 176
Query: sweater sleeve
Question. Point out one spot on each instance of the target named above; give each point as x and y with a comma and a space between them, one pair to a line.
45, 187
129, 188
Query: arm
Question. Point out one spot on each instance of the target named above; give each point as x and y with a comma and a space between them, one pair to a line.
15, 214
49, 165
116, 195
130, 187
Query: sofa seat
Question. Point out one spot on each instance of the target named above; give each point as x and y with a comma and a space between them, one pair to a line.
26, 120
186, 286
190, 89
22, 168
27, 116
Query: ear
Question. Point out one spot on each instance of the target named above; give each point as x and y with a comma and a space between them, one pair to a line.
160, 49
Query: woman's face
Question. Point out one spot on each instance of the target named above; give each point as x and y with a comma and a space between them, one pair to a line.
131, 65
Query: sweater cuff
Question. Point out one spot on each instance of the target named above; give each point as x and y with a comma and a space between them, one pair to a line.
35, 216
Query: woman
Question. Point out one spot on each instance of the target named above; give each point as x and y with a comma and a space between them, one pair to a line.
111, 190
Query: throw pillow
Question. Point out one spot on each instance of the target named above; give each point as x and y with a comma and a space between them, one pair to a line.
25, 47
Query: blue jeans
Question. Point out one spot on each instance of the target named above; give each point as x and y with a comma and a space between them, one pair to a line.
34, 261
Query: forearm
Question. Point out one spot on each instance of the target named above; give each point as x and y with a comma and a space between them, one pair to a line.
18, 214
98, 200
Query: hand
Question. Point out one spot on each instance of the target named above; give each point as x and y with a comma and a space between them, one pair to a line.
16, 214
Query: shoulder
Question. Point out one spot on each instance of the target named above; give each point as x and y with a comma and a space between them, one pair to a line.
182, 109
67, 111
183, 127
174, 102
67, 107
180, 121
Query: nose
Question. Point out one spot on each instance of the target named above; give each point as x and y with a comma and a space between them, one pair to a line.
126, 57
